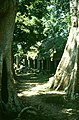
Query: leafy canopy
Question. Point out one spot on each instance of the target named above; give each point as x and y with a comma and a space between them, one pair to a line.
46, 21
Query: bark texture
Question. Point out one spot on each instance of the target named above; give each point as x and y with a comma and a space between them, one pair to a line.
67, 74
8, 98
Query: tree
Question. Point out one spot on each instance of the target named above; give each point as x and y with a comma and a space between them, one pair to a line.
8, 98
67, 74
28, 26
56, 22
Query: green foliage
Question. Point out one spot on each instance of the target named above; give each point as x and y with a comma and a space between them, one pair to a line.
28, 27
56, 23
46, 21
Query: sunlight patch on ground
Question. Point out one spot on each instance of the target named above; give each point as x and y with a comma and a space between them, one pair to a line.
31, 83
70, 111
39, 89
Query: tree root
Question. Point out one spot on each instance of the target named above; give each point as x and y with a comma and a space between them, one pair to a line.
28, 113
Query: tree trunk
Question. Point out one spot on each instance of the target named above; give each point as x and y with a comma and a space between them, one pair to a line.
8, 97
66, 77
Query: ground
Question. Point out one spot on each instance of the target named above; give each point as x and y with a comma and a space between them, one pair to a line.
50, 105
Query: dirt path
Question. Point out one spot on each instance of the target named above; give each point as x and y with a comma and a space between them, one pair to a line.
50, 105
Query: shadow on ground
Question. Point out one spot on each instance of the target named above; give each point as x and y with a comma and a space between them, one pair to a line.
50, 105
